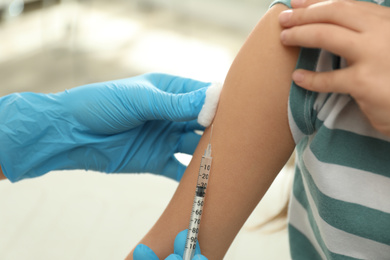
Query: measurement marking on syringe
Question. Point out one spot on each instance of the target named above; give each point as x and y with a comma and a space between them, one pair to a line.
197, 206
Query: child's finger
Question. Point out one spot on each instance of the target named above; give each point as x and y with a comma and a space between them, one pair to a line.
306, 3
340, 13
331, 81
335, 39
366, 6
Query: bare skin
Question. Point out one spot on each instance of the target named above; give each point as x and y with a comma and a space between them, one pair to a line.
2, 176
251, 123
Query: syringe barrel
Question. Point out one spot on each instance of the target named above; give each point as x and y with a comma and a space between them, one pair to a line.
197, 207
204, 171
193, 228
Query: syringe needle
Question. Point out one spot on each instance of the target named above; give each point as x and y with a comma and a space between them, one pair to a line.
207, 152
211, 133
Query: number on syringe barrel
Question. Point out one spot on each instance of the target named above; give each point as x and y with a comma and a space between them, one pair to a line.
198, 212
203, 184
205, 176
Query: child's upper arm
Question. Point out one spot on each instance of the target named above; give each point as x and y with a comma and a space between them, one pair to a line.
251, 142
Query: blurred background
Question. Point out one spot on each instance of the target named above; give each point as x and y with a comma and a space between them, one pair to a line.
53, 45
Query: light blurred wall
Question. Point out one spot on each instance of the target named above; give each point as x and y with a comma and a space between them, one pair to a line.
54, 45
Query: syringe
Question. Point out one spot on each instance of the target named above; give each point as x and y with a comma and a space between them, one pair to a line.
197, 206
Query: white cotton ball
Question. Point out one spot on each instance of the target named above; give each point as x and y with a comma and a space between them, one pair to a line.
209, 108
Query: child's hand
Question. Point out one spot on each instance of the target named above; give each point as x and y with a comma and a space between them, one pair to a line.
358, 32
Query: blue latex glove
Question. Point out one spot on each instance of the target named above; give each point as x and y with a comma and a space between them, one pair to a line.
123, 126
143, 252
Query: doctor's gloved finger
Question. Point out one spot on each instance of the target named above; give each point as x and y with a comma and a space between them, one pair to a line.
194, 125
174, 169
175, 107
180, 242
175, 84
174, 257
199, 257
143, 252
185, 85
188, 143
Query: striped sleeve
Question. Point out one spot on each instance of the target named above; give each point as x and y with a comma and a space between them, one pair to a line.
340, 207
340, 202
284, 2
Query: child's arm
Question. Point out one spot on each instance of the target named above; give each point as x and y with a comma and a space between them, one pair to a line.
2, 177
251, 142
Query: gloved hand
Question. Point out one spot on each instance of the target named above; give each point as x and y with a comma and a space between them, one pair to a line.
143, 252
123, 126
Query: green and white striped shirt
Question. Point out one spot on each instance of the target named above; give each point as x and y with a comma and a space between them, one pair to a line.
340, 204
